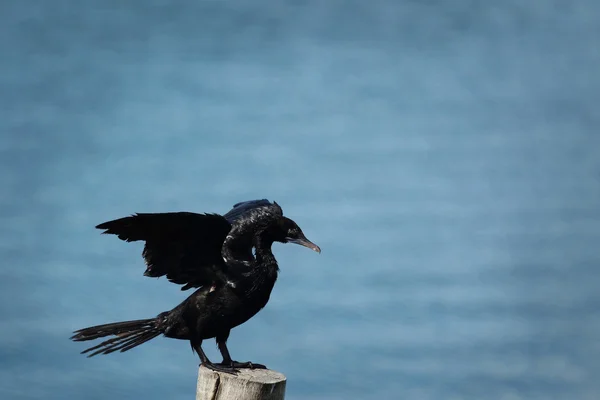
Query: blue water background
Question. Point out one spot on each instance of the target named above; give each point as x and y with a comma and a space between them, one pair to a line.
444, 155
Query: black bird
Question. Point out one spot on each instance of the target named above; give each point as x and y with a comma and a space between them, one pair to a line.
210, 252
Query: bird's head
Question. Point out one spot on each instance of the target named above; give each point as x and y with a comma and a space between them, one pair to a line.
287, 231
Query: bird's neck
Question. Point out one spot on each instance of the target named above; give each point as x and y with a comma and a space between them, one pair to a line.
259, 281
266, 265
265, 258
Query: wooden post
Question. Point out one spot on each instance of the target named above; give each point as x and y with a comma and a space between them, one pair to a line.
248, 384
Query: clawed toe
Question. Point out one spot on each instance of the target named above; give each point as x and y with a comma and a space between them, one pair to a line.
228, 369
237, 364
257, 366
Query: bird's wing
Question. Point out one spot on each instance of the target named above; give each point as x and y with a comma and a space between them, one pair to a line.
184, 246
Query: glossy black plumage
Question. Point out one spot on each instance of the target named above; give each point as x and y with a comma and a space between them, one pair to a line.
211, 252
193, 249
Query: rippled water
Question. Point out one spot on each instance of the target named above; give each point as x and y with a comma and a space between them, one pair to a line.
444, 156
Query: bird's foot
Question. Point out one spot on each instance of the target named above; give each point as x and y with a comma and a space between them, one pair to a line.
226, 368
247, 364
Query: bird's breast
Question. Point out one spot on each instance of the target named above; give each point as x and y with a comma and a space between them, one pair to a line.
239, 304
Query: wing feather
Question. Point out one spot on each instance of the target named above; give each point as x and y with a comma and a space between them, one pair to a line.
183, 246
193, 249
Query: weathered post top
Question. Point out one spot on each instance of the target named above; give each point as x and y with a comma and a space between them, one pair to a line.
248, 384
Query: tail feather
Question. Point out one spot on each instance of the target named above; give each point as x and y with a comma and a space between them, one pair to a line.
129, 334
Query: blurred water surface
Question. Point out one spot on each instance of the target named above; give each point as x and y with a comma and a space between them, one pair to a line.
444, 155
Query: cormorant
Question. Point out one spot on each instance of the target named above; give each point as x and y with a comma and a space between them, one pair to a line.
210, 252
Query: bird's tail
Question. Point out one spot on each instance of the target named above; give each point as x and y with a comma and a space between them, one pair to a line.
128, 334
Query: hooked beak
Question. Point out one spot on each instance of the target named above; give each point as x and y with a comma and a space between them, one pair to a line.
303, 241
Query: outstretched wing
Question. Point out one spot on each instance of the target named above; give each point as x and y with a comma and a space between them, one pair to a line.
196, 249
184, 246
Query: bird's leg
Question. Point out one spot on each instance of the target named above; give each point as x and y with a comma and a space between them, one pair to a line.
224, 352
197, 346
227, 361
